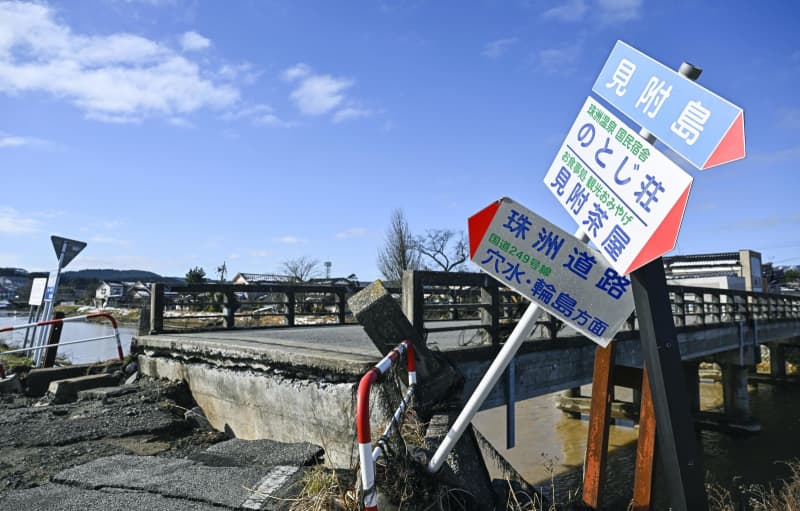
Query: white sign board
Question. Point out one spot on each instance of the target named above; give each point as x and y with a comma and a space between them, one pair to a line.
628, 197
552, 268
37, 291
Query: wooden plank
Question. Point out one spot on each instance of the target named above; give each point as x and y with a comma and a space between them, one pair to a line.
597, 444
645, 451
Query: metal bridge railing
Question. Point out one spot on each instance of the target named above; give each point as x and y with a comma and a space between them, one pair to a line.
59, 321
203, 307
367, 455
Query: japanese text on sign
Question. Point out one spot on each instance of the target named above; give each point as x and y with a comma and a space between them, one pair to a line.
696, 123
614, 184
554, 269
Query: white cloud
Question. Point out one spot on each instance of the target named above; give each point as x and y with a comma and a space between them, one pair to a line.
180, 122
349, 113
497, 48
561, 59
259, 114
290, 240
245, 73
319, 94
12, 141
617, 11
299, 70
606, 11
112, 78
572, 10
355, 232
261, 253
192, 41
108, 240
12, 222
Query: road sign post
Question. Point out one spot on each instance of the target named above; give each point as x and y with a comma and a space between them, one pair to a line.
66, 250
678, 445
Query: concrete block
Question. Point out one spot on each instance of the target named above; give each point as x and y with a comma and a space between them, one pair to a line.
38, 380
387, 326
464, 467
10, 385
65, 391
106, 392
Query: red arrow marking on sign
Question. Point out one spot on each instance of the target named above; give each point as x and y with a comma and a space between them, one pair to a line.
665, 237
478, 224
731, 147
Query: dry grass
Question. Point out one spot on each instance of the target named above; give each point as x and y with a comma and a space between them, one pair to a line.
323, 491
757, 497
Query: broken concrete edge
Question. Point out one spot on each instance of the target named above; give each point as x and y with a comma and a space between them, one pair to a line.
253, 404
259, 356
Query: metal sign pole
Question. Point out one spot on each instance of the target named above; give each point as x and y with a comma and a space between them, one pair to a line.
49, 306
677, 443
521, 332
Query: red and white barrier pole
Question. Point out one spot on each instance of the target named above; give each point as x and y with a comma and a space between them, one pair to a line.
367, 456
105, 315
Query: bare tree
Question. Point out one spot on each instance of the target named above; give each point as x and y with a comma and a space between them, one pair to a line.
399, 252
447, 249
301, 268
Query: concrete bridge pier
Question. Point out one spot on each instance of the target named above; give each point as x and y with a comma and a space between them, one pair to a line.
734, 390
777, 360
691, 372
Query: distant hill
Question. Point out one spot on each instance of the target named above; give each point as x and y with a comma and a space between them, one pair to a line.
117, 275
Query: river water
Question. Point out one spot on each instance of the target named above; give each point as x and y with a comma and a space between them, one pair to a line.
550, 443
82, 353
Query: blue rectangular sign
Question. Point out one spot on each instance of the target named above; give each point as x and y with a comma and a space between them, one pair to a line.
691, 120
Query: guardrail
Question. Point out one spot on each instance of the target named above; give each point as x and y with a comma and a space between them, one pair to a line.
366, 454
430, 297
430, 300
60, 321
199, 307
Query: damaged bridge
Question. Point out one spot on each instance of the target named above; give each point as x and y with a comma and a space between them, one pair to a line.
298, 383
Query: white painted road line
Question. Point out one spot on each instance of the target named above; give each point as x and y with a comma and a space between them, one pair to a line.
268, 485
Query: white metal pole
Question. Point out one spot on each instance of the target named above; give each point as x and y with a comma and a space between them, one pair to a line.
49, 307
521, 332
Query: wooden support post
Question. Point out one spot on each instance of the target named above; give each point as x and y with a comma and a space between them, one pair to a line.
55, 336
645, 451
156, 308
597, 443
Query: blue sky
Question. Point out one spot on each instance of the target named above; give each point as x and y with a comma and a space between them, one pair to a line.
170, 134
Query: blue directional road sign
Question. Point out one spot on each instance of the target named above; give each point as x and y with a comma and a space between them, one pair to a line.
704, 128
